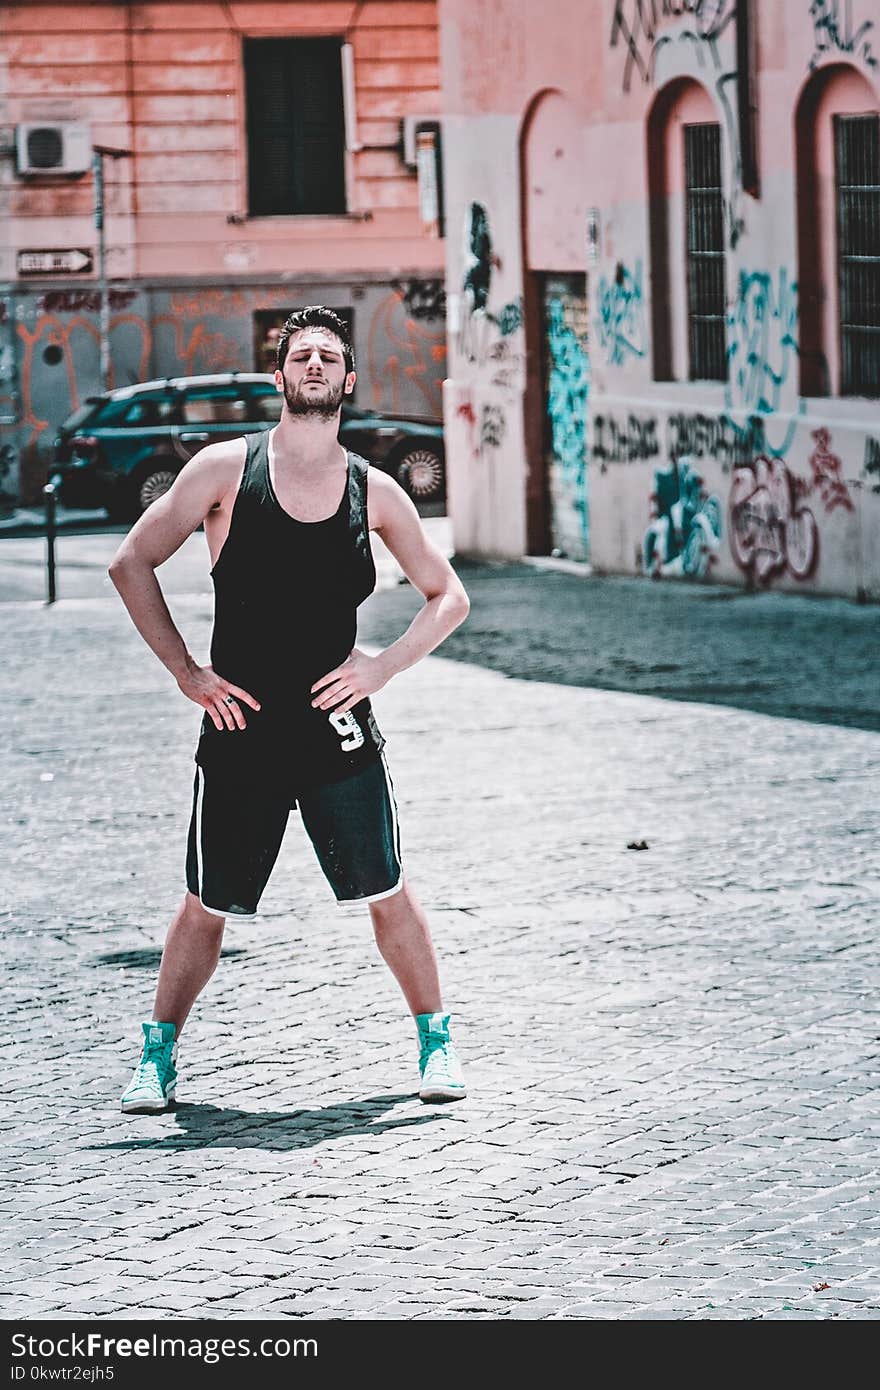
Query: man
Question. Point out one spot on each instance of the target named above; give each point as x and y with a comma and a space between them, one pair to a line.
287, 719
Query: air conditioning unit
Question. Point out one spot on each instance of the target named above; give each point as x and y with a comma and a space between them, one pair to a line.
409, 128
60, 148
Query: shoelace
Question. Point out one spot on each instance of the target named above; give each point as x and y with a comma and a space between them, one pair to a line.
153, 1056
434, 1047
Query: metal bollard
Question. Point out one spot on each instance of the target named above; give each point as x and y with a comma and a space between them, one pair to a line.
49, 494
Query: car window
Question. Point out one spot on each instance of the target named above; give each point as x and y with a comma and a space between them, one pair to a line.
81, 413
266, 404
110, 413
214, 407
151, 410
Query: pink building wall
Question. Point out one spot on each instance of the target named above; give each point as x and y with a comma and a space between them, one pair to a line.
189, 268
567, 396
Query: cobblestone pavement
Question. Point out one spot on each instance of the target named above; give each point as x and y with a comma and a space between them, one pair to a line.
671, 1052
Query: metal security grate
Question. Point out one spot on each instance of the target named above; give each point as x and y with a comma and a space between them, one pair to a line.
857, 150
704, 210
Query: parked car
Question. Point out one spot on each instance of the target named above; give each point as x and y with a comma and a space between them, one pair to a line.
123, 449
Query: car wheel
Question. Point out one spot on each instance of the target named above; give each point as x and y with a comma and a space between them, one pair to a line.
153, 484
420, 472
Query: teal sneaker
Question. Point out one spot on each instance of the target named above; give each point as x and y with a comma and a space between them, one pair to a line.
152, 1087
438, 1060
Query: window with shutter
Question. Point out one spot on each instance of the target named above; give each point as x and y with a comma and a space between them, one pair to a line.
295, 127
704, 205
857, 150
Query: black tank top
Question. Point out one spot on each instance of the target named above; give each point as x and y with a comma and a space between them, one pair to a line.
286, 595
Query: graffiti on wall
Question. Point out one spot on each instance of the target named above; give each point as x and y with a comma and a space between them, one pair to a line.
623, 441
467, 413
701, 24
762, 349
486, 337
7, 370
196, 347
9, 405
684, 534
620, 319
474, 330
835, 31
827, 475
69, 344
75, 301
636, 24
510, 317
716, 437
492, 427
423, 299
405, 355
871, 463
568, 389
7, 463
485, 429
7, 365
772, 531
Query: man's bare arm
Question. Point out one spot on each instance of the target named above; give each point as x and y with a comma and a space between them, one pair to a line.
396, 520
203, 484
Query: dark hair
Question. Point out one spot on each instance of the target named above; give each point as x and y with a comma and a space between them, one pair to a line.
315, 316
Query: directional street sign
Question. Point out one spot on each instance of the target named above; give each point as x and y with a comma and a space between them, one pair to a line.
54, 262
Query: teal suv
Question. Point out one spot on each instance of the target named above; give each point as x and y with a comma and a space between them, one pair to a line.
124, 449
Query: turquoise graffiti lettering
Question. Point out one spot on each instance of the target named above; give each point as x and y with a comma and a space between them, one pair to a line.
872, 460
567, 394
620, 324
762, 347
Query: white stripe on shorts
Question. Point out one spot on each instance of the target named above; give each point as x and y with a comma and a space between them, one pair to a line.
393, 811
218, 911
198, 819
228, 912
371, 897
388, 892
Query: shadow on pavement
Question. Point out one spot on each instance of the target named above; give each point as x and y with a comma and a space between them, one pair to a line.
150, 957
202, 1126
798, 656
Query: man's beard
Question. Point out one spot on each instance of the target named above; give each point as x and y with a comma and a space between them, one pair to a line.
318, 407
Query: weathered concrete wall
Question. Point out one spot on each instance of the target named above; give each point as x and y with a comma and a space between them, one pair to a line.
777, 477
51, 349
484, 443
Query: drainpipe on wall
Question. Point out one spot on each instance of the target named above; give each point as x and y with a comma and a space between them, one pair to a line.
745, 94
98, 153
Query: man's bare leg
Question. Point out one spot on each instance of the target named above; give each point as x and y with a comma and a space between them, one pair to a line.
404, 941
192, 950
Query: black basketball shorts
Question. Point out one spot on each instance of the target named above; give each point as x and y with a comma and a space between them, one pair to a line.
238, 824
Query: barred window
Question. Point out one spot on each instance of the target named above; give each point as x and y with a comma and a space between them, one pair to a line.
857, 160
295, 126
704, 250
